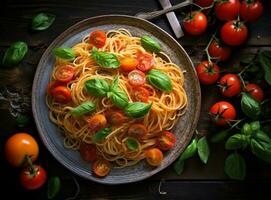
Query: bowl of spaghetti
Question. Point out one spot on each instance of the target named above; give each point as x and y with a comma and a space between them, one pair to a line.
115, 99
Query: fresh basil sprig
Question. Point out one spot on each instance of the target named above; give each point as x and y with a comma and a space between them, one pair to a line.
53, 187
15, 54
150, 44
250, 106
137, 109
97, 87
105, 59
64, 53
237, 141
265, 61
86, 107
118, 97
159, 80
42, 21
203, 149
235, 166
132, 144
101, 135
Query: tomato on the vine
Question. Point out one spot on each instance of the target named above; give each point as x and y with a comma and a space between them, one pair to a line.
207, 72
255, 91
230, 85
234, 33
33, 177
219, 51
251, 10
222, 113
204, 3
227, 10
195, 23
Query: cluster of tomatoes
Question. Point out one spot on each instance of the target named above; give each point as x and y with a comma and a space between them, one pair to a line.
22, 150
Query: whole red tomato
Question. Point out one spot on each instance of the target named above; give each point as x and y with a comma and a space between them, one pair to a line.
255, 90
204, 3
222, 113
33, 177
219, 51
207, 72
230, 85
226, 10
234, 33
251, 10
195, 23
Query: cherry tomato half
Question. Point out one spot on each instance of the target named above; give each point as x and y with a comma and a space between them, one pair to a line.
222, 112
154, 156
230, 85
116, 117
251, 10
128, 64
145, 61
65, 73
101, 167
255, 90
136, 77
140, 94
216, 50
97, 122
32, 179
166, 141
234, 33
51, 85
204, 3
195, 23
208, 73
20, 145
88, 152
138, 131
61, 94
227, 10
97, 38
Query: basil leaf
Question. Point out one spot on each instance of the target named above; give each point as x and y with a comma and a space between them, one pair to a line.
64, 53
220, 136
15, 53
179, 166
115, 84
119, 98
203, 149
261, 150
255, 126
159, 80
105, 59
137, 109
246, 129
150, 44
190, 150
235, 166
83, 108
97, 87
250, 106
22, 120
42, 21
132, 144
53, 187
265, 61
237, 141
262, 136
101, 134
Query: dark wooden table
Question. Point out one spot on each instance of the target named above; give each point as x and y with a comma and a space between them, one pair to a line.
198, 181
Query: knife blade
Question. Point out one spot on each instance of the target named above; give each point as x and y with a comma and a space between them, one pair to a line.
173, 20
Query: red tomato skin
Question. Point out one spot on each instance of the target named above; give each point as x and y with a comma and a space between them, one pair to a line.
208, 73
141, 94
154, 157
53, 84
195, 23
65, 73
101, 168
115, 117
204, 3
138, 131
234, 33
225, 109
33, 182
97, 38
255, 91
145, 61
88, 152
221, 53
166, 141
61, 94
227, 10
251, 12
232, 85
136, 78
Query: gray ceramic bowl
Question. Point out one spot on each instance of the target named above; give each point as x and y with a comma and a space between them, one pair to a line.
50, 134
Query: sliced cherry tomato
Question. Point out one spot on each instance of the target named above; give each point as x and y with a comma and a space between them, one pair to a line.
145, 61
140, 94
128, 64
204, 3
97, 122
166, 140
222, 112
138, 131
33, 178
61, 94
116, 117
154, 156
20, 145
65, 73
136, 78
51, 85
251, 10
101, 167
234, 33
88, 152
218, 51
97, 38
208, 72
255, 90
227, 10
195, 23
230, 85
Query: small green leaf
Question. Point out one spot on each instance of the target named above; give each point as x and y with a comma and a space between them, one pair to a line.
15, 54
262, 136
150, 44
255, 126
250, 106
220, 136
42, 21
237, 141
246, 129
64, 53
105, 59
132, 144
265, 61
203, 149
159, 80
261, 149
101, 134
115, 84
235, 166
86, 107
190, 150
53, 187
97, 87
137, 109
179, 166
119, 98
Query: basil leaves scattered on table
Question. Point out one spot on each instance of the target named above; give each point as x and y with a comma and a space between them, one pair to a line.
159, 80
250, 106
15, 54
150, 44
42, 21
235, 166
53, 187
105, 59
137, 109
86, 107
101, 134
132, 144
203, 149
64, 53
97, 87
265, 61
